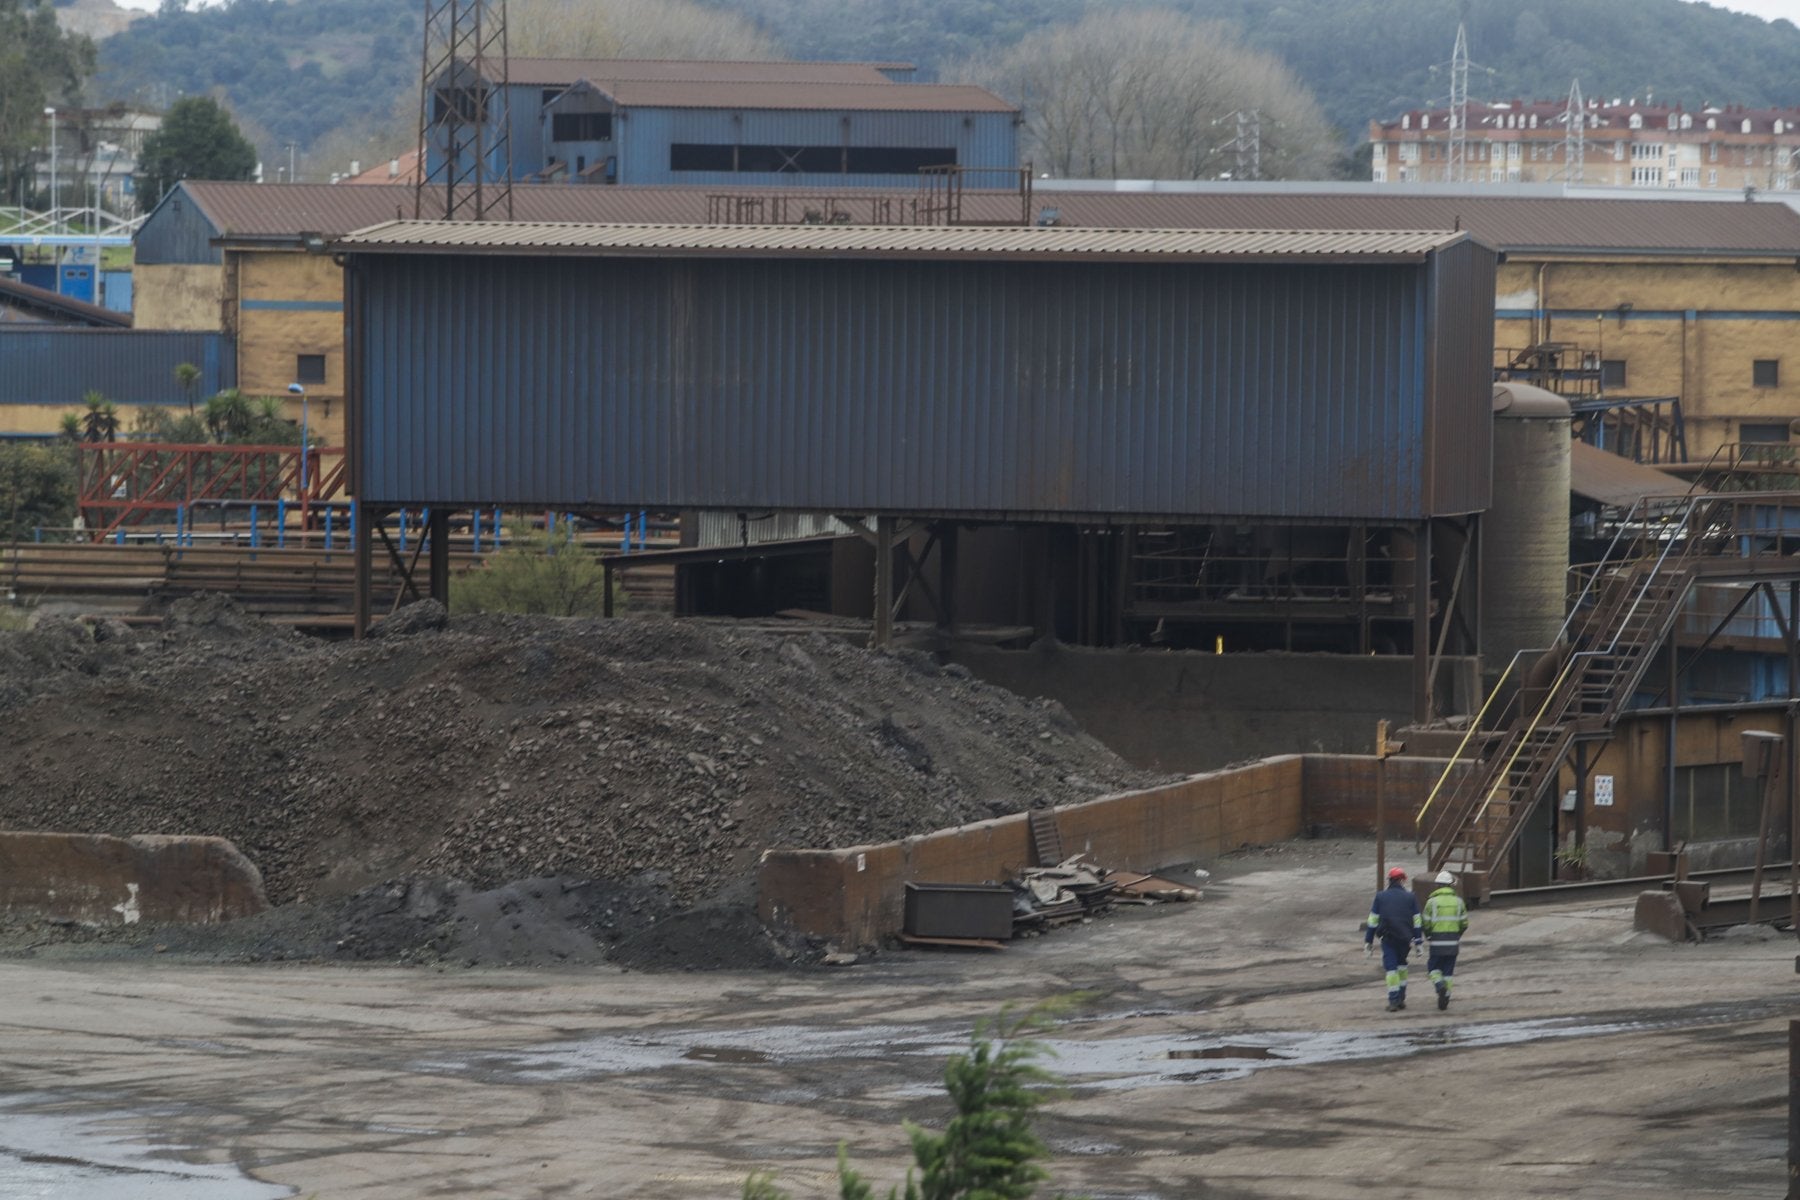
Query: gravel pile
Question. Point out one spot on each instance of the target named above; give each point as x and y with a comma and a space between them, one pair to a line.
490, 750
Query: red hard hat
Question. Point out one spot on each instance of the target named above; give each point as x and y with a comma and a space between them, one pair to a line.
1396, 873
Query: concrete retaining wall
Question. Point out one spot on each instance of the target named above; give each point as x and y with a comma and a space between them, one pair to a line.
1188, 711
855, 896
100, 880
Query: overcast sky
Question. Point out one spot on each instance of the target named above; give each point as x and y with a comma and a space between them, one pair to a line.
1767, 9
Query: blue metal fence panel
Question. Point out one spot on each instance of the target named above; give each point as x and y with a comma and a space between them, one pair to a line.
977, 388
116, 286
59, 365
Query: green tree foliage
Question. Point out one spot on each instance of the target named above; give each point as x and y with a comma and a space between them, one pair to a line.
39, 65
537, 572
37, 488
1365, 59
988, 1151
100, 420
198, 140
1153, 95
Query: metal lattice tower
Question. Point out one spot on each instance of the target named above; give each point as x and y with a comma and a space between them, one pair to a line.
1246, 147
1575, 136
1459, 106
463, 113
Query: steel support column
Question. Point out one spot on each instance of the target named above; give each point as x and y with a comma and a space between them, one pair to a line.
882, 632
438, 531
1421, 639
948, 552
363, 551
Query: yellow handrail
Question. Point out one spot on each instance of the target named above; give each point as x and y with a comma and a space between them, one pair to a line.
1456, 755
1549, 695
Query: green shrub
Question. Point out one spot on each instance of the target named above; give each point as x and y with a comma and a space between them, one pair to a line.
535, 573
988, 1151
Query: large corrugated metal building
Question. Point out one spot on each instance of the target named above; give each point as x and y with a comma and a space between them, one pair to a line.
1114, 389
981, 373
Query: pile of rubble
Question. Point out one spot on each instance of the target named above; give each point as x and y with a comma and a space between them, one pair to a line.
498, 749
1045, 897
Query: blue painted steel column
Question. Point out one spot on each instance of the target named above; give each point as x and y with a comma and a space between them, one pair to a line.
403, 529
255, 531
329, 517
475, 530
281, 522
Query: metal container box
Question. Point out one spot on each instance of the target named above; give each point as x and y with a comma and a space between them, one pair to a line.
959, 910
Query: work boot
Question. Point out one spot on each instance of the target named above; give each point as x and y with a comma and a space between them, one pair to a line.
1402, 997
1443, 998
1395, 1005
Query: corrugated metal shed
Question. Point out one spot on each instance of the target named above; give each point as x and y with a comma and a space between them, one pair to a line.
901, 241
40, 365
985, 387
1512, 224
1602, 476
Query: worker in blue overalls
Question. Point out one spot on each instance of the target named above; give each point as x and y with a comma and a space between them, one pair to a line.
1395, 916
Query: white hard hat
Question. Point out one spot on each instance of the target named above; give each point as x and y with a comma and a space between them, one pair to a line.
1445, 877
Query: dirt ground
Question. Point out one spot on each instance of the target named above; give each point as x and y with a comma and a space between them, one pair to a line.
1237, 1047
507, 789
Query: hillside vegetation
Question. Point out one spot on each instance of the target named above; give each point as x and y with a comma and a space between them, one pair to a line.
306, 69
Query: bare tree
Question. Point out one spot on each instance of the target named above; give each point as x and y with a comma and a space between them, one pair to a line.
632, 29
1153, 94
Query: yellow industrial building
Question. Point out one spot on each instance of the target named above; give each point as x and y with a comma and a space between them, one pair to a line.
1644, 300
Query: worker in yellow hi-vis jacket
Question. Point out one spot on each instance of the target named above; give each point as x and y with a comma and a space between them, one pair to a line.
1446, 919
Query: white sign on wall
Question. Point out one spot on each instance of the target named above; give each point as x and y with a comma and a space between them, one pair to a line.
1603, 792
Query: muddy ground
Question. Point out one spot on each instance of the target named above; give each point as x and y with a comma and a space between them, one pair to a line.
498, 790
1233, 1049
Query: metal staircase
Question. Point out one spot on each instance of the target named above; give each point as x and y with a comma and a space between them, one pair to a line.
1547, 700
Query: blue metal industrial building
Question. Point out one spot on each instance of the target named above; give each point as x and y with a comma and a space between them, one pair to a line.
807, 124
59, 365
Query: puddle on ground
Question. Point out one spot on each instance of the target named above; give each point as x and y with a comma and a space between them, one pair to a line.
50, 1156
1227, 1052
725, 1054
1103, 1063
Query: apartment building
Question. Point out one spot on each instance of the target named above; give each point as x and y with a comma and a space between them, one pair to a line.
1619, 143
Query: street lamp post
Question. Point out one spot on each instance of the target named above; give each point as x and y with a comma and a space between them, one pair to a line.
55, 204
295, 389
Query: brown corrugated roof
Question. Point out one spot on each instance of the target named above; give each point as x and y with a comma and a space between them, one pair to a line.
899, 241
1517, 224
561, 72
882, 96
1609, 479
1514, 224
45, 301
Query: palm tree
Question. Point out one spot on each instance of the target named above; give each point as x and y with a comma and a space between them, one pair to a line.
187, 377
71, 427
228, 415
100, 423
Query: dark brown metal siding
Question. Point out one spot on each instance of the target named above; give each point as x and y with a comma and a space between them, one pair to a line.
973, 388
1462, 411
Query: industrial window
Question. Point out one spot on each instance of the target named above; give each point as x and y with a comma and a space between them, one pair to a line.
1750, 431
808, 160
897, 160
1766, 372
581, 127
1716, 801
309, 368
1612, 372
549, 94
470, 103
